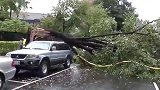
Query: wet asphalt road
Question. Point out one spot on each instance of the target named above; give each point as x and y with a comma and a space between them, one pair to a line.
79, 78
25, 76
87, 79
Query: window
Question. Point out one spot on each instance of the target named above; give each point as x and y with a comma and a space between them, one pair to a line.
38, 45
62, 46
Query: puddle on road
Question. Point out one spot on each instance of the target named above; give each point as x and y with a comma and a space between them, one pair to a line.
88, 79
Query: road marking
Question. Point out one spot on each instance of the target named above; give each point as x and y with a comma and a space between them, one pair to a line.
17, 81
155, 85
43, 78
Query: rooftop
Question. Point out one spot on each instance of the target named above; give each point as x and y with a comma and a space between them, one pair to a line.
29, 16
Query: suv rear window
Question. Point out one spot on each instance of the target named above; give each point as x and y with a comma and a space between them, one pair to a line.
62, 46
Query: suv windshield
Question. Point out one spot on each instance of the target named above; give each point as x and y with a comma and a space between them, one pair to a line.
38, 45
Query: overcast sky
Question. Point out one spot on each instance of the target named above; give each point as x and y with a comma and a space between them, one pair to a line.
147, 9
42, 6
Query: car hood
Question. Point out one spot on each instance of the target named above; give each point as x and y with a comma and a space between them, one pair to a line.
29, 51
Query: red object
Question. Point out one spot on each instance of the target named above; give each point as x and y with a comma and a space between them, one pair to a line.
13, 63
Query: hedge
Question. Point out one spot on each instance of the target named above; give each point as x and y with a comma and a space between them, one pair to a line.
7, 46
11, 36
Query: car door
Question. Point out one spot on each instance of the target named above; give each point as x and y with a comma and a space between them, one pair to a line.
62, 52
57, 56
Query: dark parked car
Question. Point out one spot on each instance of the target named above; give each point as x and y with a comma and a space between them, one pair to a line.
41, 55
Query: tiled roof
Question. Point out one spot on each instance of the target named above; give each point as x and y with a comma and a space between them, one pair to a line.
29, 16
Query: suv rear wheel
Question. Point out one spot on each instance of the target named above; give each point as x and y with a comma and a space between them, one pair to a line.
43, 69
1, 81
67, 63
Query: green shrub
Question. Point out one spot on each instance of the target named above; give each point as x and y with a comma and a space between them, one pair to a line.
14, 25
7, 46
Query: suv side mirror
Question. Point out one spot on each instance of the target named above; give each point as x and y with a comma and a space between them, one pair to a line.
53, 48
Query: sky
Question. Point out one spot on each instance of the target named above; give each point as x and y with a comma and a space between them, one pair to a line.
41, 6
147, 9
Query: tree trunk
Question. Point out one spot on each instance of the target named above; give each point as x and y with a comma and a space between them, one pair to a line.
10, 14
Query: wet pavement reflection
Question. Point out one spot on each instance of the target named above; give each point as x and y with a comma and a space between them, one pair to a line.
88, 79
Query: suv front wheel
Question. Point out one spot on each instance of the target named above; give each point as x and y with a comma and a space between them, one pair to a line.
67, 63
43, 69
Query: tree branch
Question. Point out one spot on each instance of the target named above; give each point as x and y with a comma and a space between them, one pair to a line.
133, 32
87, 43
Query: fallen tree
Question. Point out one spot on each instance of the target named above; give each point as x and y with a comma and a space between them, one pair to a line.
89, 44
129, 54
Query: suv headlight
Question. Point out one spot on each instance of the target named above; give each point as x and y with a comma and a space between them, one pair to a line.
32, 57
